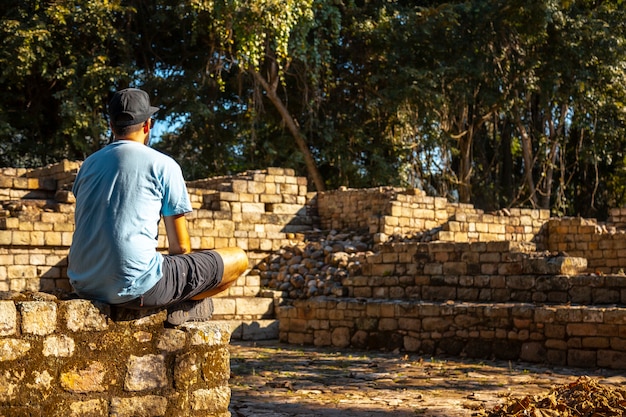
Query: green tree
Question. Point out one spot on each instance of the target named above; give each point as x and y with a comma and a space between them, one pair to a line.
58, 62
497, 103
574, 76
500, 86
259, 38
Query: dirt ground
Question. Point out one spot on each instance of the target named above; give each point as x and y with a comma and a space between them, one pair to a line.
279, 380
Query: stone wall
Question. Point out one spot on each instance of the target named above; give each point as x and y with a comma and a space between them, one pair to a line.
497, 272
483, 300
76, 358
603, 245
564, 335
259, 211
386, 212
450, 279
431, 277
617, 217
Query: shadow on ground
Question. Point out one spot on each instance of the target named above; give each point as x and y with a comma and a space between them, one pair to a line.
279, 380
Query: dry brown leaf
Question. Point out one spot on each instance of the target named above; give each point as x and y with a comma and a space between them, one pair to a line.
583, 397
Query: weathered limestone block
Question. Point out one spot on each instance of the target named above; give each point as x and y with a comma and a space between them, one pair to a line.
556, 265
8, 318
60, 346
144, 406
145, 372
90, 378
171, 340
12, 349
207, 333
83, 315
96, 408
38, 317
210, 400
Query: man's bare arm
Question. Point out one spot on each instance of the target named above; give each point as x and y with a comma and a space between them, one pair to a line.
177, 234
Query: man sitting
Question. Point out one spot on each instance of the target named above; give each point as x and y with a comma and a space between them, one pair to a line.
122, 192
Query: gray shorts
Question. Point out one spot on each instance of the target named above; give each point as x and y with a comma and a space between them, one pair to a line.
184, 276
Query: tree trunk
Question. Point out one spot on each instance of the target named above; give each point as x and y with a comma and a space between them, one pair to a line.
465, 166
507, 162
311, 166
527, 154
546, 193
552, 155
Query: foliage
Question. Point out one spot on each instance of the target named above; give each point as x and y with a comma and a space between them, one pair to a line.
498, 103
59, 61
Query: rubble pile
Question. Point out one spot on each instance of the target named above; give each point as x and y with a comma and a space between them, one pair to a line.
316, 266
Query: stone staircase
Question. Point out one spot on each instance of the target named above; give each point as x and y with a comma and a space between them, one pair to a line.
483, 300
249, 318
446, 277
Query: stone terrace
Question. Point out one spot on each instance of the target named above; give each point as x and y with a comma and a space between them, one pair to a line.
440, 277
516, 284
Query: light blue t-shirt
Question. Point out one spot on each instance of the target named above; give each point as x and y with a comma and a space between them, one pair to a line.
121, 193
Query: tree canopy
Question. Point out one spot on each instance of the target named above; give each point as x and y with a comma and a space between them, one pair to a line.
497, 103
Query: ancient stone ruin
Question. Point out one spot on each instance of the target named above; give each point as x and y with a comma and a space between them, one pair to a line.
381, 268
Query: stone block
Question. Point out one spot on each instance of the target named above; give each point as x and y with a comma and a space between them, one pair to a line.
224, 306
454, 268
433, 269
520, 282
436, 324
340, 337
207, 333
533, 352
171, 340
86, 379
581, 329
38, 317
142, 406
9, 223
59, 346
12, 349
145, 372
271, 198
252, 207
94, 408
84, 315
605, 296
21, 271
595, 342
258, 307
214, 400
8, 318
6, 237
611, 359
582, 358
322, 338
388, 324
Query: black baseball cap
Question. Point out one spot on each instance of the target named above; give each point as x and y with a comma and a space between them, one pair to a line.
130, 106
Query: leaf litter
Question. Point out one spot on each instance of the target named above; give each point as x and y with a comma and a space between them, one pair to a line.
585, 397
